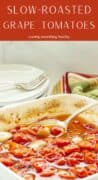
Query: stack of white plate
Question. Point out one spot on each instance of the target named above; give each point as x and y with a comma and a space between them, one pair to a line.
16, 73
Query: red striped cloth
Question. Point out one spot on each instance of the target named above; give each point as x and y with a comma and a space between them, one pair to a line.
69, 79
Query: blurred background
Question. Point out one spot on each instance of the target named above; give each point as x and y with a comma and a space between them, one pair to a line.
53, 57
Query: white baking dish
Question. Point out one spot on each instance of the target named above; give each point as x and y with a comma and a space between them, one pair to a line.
29, 111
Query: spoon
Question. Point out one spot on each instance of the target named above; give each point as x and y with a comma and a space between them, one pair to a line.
66, 122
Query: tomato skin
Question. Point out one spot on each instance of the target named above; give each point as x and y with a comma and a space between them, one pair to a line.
22, 164
50, 154
21, 138
51, 157
39, 166
81, 172
61, 161
77, 155
71, 148
55, 131
89, 157
67, 174
62, 142
32, 131
6, 161
18, 150
96, 147
71, 161
20, 153
48, 172
97, 161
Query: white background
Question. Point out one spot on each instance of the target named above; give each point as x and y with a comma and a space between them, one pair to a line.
54, 57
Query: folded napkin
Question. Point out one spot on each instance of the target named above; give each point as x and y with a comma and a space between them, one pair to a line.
77, 83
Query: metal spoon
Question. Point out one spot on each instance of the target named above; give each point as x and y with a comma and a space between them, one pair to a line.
66, 122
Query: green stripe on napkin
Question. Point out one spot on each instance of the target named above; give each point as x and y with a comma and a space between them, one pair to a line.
77, 83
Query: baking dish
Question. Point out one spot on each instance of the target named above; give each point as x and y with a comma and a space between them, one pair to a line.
28, 112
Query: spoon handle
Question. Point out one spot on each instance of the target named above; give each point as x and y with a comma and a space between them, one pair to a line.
67, 121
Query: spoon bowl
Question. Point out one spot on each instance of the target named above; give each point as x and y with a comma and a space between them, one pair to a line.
66, 122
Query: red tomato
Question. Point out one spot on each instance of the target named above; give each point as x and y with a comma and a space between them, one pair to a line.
81, 172
61, 161
62, 142
32, 131
71, 161
22, 164
48, 172
71, 148
97, 138
50, 154
55, 131
77, 155
96, 147
51, 157
39, 166
22, 138
6, 161
67, 174
89, 157
23, 152
97, 162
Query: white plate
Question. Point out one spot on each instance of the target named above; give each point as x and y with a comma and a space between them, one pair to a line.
17, 73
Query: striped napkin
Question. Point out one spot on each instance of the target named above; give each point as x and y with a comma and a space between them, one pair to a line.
77, 83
